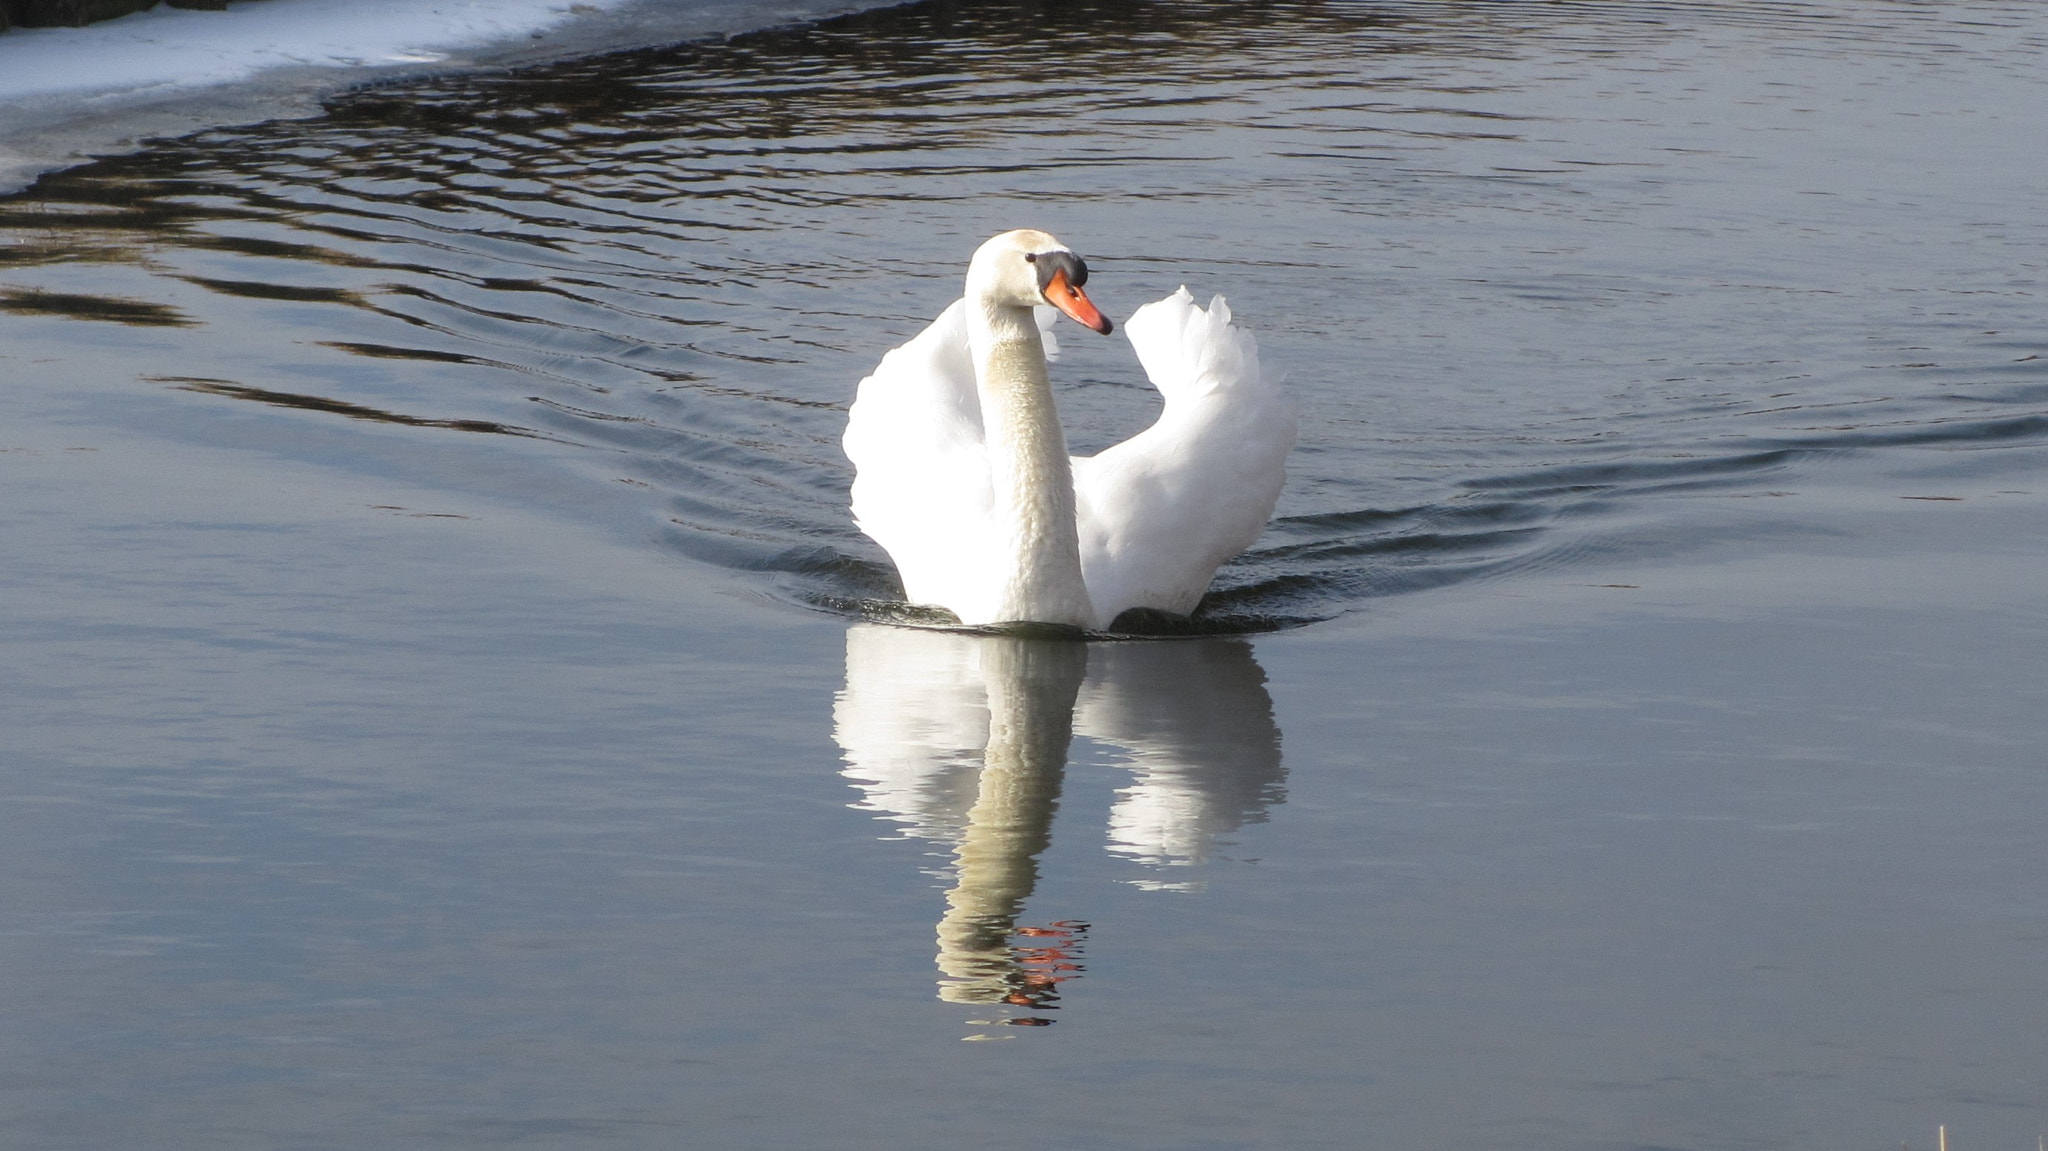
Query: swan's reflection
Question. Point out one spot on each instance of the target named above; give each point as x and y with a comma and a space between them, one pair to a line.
1197, 725
963, 739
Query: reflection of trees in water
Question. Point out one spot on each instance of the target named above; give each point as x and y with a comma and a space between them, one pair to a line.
580, 177
681, 258
963, 739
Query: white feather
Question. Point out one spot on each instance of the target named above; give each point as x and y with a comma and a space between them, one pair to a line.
1156, 514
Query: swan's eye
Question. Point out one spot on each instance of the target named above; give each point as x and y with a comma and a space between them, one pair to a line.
1031, 257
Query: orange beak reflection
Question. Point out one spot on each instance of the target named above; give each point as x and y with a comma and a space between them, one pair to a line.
1074, 302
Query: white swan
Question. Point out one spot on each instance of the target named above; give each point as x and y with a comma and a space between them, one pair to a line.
962, 473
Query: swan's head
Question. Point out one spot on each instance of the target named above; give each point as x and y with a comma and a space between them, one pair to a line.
1026, 268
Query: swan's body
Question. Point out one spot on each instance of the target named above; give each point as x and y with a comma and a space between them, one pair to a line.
962, 472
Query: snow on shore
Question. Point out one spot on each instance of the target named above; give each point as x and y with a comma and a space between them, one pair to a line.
70, 92
168, 49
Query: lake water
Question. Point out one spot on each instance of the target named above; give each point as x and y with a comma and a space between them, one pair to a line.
447, 704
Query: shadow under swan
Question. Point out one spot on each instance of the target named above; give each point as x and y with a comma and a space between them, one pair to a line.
963, 739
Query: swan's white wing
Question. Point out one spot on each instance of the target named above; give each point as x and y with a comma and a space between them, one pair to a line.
921, 484
921, 478
1160, 512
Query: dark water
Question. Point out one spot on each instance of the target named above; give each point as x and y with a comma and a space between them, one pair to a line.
1528, 270
436, 703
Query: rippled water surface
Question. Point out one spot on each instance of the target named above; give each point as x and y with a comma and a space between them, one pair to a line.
447, 718
1527, 271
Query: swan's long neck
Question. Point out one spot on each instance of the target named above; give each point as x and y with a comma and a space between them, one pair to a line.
1033, 478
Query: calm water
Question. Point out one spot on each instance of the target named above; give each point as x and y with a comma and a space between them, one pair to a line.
446, 707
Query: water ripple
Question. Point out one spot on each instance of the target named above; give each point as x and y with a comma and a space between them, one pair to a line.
1540, 273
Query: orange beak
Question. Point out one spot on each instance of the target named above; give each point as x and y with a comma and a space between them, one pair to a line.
1074, 302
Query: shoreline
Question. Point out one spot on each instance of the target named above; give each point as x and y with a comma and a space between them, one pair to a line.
260, 62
